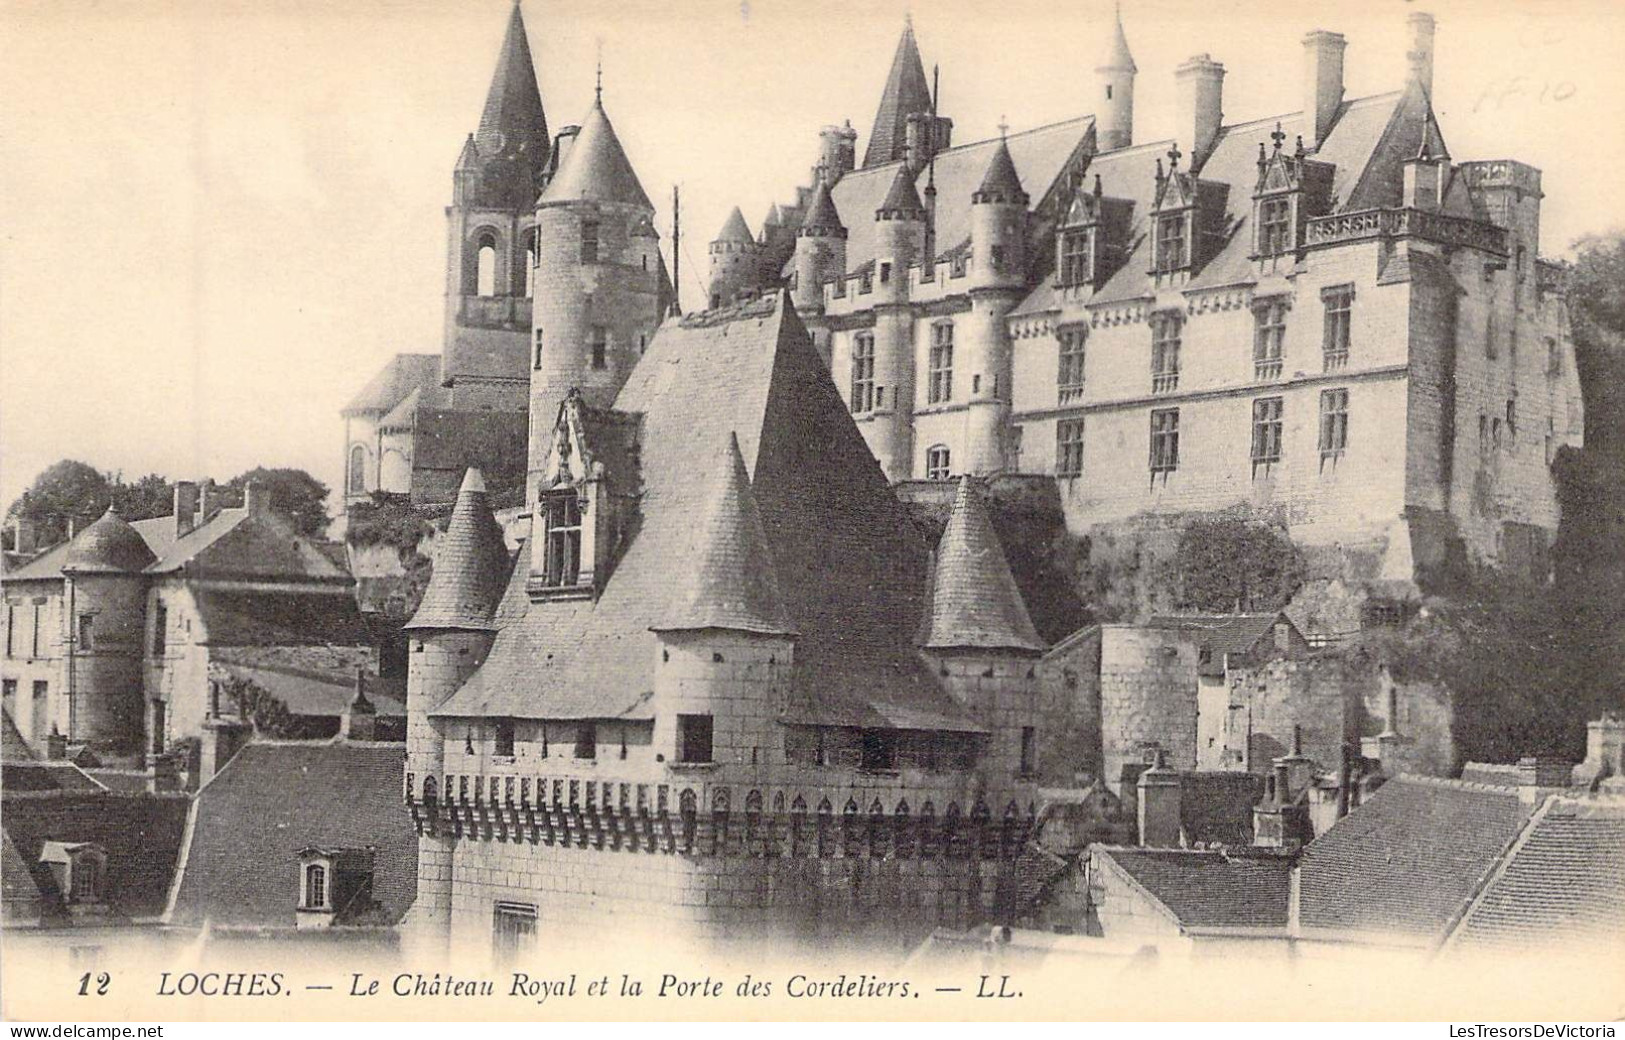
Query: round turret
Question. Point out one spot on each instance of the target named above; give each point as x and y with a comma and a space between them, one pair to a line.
108, 546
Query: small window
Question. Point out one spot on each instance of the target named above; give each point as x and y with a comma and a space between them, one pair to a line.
11, 625
1166, 329
587, 740
34, 637
1334, 425
885, 274
1069, 448
536, 362
1029, 751
562, 510
600, 347
1269, 338
1275, 226
589, 241
504, 738
936, 463
866, 281
1339, 302
1076, 265
694, 738
1554, 358
1512, 425
863, 373
996, 256
358, 470
1070, 377
1171, 244
315, 886
513, 930
1164, 441
160, 631
1266, 435
958, 266
87, 626
940, 383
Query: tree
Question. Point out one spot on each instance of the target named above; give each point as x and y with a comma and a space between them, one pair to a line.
293, 493
1224, 564
152, 495
64, 490
1596, 296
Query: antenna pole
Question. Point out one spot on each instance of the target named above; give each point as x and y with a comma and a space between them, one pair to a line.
676, 254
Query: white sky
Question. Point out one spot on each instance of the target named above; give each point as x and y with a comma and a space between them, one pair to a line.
221, 217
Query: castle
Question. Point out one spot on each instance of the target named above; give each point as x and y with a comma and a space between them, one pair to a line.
1317, 318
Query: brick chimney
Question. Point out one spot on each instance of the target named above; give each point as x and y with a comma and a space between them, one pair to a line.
56, 745
24, 536
1322, 84
1540, 775
1200, 83
185, 506
1159, 809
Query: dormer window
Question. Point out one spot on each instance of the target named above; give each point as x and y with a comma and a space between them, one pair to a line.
1077, 267
562, 511
1275, 226
335, 887
80, 872
315, 891
1173, 244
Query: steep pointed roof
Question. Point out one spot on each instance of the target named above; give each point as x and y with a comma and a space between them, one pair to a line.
1000, 183
822, 217
469, 157
774, 218
735, 229
730, 582
907, 91
512, 124
596, 167
902, 201
108, 546
470, 565
974, 599
1117, 54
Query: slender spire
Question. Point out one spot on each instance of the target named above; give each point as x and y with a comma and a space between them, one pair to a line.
730, 582
596, 167
1117, 52
906, 93
735, 229
974, 599
1000, 183
513, 124
470, 565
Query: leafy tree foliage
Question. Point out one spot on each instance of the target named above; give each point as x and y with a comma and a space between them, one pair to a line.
293, 493
65, 490
1222, 565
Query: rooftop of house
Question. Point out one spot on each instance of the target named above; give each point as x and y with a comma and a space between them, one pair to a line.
399, 377
1216, 807
313, 688
41, 775
1207, 889
272, 800
13, 748
752, 372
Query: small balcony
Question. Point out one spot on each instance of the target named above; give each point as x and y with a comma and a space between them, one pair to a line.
1340, 228
1335, 360
1164, 382
1266, 371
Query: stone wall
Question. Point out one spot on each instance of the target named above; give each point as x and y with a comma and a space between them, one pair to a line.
1148, 691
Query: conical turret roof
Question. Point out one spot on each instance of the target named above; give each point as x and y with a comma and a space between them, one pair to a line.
735, 229
108, 546
1117, 56
729, 576
469, 157
974, 599
822, 218
902, 201
470, 565
774, 218
596, 167
512, 124
907, 91
1000, 183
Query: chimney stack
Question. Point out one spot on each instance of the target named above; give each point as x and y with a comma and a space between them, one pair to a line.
185, 506
1159, 809
208, 501
1323, 84
1201, 107
361, 718
256, 500
837, 150
24, 536
1420, 55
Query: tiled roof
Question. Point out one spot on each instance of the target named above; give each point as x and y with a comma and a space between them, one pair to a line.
849, 567
20, 899
326, 618
513, 126
1562, 885
108, 546
906, 92
1221, 633
726, 575
240, 544
13, 748
457, 440
273, 800
141, 834
735, 229
1210, 889
1000, 183
974, 598
41, 775
596, 167
403, 374
1404, 863
1216, 807
471, 565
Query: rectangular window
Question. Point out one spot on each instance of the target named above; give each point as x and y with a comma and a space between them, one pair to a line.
936, 463
160, 631
996, 257
958, 265
1269, 338
1069, 448
537, 361
11, 623
589, 241
504, 738
1266, 434
1164, 441
1334, 425
1554, 358
1165, 334
39, 726
1512, 425
1029, 751
87, 626
563, 512
600, 347
694, 734
587, 740
1492, 349
1075, 266
8, 697
34, 636
866, 281
1274, 227
940, 386
513, 930
1070, 377
1171, 245
863, 373
885, 274
1339, 301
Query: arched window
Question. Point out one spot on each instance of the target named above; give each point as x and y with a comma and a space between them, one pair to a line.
485, 269
358, 470
431, 790
316, 885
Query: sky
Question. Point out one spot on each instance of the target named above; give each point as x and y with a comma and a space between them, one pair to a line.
220, 217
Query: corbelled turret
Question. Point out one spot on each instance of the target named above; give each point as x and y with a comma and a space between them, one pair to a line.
820, 249
975, 603
470, 565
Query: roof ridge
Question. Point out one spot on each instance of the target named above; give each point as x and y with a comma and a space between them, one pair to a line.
1453, 783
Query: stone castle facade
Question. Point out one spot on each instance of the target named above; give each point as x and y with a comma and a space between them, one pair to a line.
1318, 319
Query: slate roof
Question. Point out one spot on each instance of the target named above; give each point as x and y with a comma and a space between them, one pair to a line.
13, 748
901, 199
513, 126
1405, 862
40, 775
1000, 183
235, 618
471, 565
848, 565
1201, 889
974, 598
906, 91
108, 546
273, 800
1216, 807
20, 899
596, 167
735, 229
1562, 885
319, 692
822, 215
399, 377
1117, 53
1222, 633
